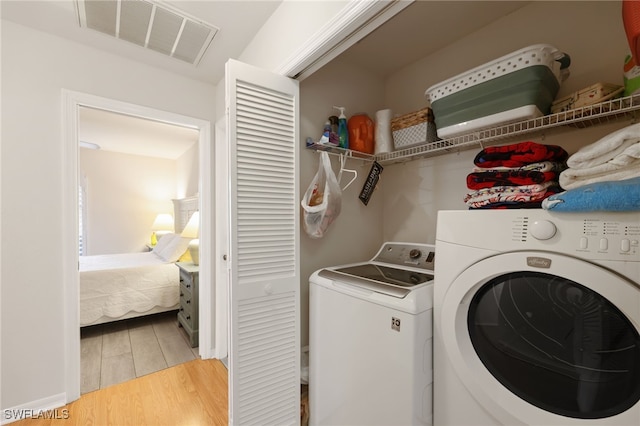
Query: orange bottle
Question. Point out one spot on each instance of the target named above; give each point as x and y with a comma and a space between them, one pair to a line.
361, 133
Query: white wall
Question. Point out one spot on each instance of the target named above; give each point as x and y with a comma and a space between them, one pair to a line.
356, 234
122, 206
35, 69
568, 25
188, 173
293, 23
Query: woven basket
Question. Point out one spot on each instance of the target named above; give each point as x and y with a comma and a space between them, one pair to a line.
413, 129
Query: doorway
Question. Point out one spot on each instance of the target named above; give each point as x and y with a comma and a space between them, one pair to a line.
156, 163
73, 102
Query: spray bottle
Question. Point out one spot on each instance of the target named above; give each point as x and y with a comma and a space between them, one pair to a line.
343, 131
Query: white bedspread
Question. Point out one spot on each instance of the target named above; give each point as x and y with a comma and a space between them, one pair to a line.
119, 261
116, 285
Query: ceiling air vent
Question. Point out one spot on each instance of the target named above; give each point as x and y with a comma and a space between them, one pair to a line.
150, 25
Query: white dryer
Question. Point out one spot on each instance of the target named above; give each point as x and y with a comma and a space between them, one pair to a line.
537, 318
370, 339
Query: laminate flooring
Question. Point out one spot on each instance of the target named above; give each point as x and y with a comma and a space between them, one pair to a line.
193, 393
120, 351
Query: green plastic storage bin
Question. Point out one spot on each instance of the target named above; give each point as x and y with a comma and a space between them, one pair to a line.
518, 86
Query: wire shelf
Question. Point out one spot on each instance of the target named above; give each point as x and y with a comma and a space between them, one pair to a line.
584, 117
592, 115
341, 151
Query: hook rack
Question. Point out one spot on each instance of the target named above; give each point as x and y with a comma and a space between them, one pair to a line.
334, 150
343, 154
343, 160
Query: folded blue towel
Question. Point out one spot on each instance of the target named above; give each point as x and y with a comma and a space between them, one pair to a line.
615, 196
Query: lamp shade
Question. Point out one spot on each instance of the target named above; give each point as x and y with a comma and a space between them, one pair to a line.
191, 228
163, 222
191, 231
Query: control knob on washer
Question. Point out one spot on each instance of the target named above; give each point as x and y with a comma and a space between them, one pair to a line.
415, 254
543, 229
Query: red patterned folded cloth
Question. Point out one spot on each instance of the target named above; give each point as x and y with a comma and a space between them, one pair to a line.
543, 166
510, 205
519, 154
503, 194
508, 178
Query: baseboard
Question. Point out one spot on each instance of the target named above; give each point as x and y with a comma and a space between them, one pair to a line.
45, 408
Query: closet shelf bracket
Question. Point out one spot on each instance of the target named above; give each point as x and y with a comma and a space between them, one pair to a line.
348, 153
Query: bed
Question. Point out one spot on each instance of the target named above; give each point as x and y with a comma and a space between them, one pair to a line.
129, 285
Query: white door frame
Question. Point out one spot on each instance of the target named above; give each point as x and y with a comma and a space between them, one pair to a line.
221, 243
354, 22
72, 101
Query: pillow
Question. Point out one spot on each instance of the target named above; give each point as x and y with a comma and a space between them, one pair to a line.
163, 242
175, 249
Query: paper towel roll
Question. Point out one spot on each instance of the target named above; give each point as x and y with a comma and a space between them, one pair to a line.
383, 136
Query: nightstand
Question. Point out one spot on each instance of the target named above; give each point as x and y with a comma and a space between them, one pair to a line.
188, 313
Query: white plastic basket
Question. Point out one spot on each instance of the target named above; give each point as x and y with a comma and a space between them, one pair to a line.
538, 54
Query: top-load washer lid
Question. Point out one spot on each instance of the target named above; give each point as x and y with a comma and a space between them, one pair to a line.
396, 270
387, 274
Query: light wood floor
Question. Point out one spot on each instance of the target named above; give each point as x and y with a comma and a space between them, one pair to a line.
194, 393
119, 351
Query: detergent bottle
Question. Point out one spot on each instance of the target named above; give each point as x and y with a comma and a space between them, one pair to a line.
361, 132
343, 131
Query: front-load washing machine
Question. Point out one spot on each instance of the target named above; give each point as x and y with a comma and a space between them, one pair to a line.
370, 339
537, 318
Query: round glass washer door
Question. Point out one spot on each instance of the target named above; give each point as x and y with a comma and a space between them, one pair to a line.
538, 345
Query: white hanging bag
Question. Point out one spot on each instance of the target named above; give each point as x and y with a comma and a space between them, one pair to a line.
322, 201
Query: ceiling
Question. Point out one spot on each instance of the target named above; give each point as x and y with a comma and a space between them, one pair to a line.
132, 135
419, 30
422, 29
238, 22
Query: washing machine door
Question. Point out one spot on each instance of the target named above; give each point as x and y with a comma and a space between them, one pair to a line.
541, 338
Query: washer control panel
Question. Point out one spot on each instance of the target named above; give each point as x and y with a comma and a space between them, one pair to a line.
588, 235
421, 256
607, 235
598, 236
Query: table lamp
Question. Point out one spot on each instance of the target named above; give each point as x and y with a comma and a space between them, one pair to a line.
191, 231
161, 226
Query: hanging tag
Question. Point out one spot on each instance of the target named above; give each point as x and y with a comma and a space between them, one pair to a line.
370, 183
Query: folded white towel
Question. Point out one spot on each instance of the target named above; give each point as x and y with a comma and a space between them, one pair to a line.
606, 148
628, 156
575, 178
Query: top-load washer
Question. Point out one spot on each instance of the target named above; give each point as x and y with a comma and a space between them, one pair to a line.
537, 318
370, 339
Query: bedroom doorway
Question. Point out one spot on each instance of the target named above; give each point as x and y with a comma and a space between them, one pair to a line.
116, 351
74, 102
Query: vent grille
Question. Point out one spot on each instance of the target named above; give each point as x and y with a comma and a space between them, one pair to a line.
150, 25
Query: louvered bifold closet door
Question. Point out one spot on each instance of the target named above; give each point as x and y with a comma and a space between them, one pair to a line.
264, 351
